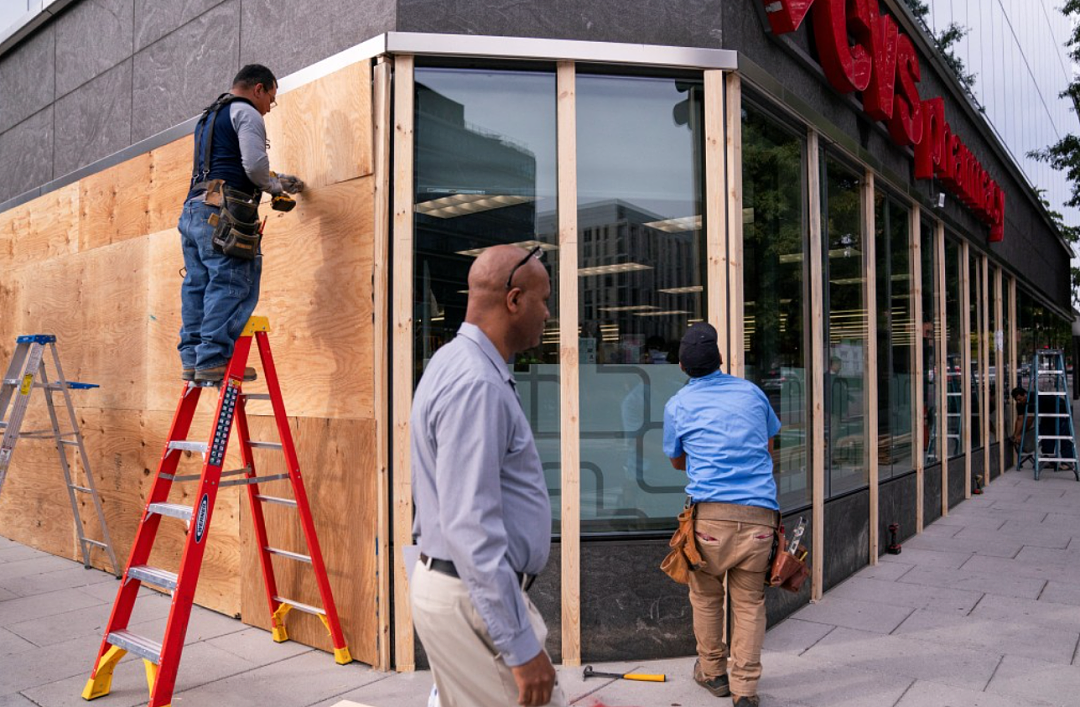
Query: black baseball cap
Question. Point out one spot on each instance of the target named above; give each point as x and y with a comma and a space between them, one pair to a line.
699, 353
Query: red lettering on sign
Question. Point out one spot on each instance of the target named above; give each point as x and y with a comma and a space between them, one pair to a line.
847, 67
929, 150
879, 94
906, 126
786, 15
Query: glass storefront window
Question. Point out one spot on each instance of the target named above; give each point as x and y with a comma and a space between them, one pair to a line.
977, 334
845, 328
930, 332
485, 175
774, 244
954, 369
641, 266
895, 337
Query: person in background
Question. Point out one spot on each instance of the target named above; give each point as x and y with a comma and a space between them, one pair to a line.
719, 430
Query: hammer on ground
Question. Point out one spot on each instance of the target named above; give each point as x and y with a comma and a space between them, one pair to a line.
590, 673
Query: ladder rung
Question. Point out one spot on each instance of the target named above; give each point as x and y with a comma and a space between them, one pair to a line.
70, 442
182, 478
253, 480
291, 555
11, 381
1053, 414
264, 445
46, 433
50, 386
1055, 437
275, 499
1051, 392
1048, 373
153, 575
302, 607
76, 487
139, 645
97, 543
174, 510
187, 446
257, 396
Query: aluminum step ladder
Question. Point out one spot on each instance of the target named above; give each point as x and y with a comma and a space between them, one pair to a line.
162, 659
26, 371
954, 413
1049, 396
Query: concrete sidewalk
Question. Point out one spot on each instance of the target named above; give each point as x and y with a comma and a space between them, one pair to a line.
981, 610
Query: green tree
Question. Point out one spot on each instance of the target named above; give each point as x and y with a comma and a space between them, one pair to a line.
945, 40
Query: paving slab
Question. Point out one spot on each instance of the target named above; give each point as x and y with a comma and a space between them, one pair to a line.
391, 691
256, 645
14, 553
1012, 511
1003, 567
916, 596
929, 558
932, 694
1034, 680
71, 577
16, 701
799, 680
1007, 542
7, 594
43, 666
36, 565
39, 605
1049, 556
1029, 612
1007, 585
1061, 593
940, 529
91, 620
890, 571
969, 521
201, 664
852, 613
795, 636
299, 680
202, 626
106, 591
905, 656
968, 540
992, 637
11, 643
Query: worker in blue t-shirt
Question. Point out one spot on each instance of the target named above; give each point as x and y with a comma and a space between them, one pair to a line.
719, 430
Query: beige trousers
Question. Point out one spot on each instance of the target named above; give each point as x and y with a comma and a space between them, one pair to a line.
741, 552
468, 669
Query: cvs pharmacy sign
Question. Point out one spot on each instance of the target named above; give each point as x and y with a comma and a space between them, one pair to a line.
861, 50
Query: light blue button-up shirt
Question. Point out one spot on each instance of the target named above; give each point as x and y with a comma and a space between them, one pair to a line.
723, 424
481, 499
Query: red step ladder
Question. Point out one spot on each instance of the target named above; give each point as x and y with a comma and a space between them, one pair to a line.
163, 659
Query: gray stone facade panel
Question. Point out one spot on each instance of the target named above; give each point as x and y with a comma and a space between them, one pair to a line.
91, 38
94, 120
26, 153
155, 19
287, 37
178, 76
691, 23
28, 78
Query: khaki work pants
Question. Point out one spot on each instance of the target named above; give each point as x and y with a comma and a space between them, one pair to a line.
468, 669
740, 551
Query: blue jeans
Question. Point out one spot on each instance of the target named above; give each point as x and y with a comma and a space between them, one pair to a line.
218, 295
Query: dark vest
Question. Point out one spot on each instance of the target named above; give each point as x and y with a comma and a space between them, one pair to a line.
224, 155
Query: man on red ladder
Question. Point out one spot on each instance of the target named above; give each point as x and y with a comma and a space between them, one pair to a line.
219, 225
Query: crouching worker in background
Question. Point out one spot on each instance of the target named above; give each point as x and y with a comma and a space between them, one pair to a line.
718, 429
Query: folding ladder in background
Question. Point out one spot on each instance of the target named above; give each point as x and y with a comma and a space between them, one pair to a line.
1050, 390
162, 659
954, 411
26, 371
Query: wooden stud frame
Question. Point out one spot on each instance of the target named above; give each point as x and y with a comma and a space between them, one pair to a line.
965, 357
918, 441
942, 370
999, 360
733, 142
403, 353
817, 367
381, 79
716, 232
984, 365
568, 364
870, 395
1011, 346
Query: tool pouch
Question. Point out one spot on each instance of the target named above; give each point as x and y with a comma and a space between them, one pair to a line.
785, 570
236, 231
684, 557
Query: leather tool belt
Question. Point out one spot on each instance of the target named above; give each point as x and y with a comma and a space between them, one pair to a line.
236, 226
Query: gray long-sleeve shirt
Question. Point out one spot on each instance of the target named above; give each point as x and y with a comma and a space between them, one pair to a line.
481, 499
251, 131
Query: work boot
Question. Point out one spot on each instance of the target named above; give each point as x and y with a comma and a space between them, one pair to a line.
215, 375
187, 374
752, 701
717, 686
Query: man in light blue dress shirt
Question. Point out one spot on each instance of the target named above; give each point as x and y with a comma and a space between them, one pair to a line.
719, 430
483, 515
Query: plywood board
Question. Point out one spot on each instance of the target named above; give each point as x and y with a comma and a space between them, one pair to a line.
942, 344
165, 260
915, 231
114, 203
871, 393
50, 228
337, 463
733, 142
965, 356
170, 177
716, 271
50, 302
817, 368
316, 290
321, 132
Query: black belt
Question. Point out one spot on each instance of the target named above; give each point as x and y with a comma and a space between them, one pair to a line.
447, 567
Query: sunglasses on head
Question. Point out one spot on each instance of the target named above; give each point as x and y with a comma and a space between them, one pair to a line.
537, 252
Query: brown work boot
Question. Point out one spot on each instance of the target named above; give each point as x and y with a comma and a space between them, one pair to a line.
216, 374
717, 686
751, 701
187, 374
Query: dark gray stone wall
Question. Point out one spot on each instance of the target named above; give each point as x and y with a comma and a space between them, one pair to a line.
847, 537
896, 504
107, 73
931, 494
956, 480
